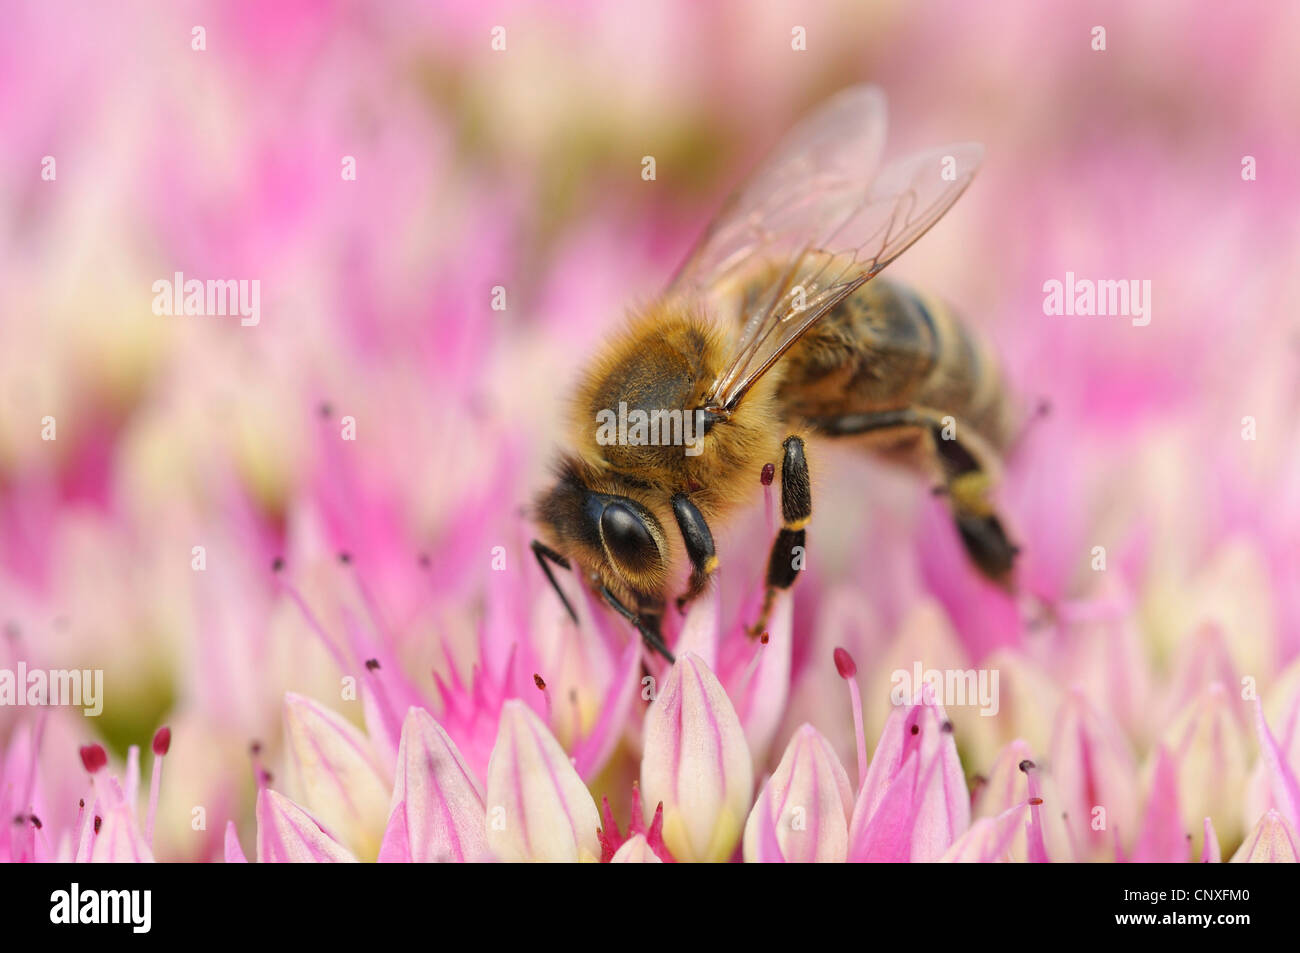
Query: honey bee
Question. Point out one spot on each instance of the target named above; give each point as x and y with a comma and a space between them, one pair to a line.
773, 330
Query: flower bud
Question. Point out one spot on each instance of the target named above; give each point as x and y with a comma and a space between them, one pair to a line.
537, 806
696, 761
802, 813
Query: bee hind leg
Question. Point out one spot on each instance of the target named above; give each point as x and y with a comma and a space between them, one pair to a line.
966, 482
967, 486
788, 550
987, 545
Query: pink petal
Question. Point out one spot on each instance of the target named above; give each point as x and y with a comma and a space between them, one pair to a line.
537, 806
695, 760
593, 751
386, 693
989, 839
1281, 779
1035, 842
766, 687
885, 834
119, 840
234, 853
1162, 839
802, 813
636, 850
1208, 743
914, 803
336, 773
286, 833
702, 627
437, 812
1093, 767
1273, 841
1014, 779
1210, 853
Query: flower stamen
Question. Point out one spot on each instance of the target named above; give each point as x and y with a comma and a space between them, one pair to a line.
848, 670
162, 742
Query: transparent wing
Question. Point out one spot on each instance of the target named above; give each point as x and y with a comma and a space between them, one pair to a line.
817, 169
906, 198
812, 225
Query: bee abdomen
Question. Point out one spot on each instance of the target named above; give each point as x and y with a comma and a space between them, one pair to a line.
965, 380
887, 347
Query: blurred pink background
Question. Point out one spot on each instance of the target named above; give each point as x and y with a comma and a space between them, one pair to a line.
521, 168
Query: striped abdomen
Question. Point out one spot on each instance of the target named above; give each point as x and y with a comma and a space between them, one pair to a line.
887, 348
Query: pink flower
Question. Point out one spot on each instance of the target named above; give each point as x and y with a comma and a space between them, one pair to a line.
437, 811
635, 850
109, 827
1154, 589
334, 770
989, 839
537, 806
1273, 841
1095, 771
287, 833
914, 803
696, 762
802, 812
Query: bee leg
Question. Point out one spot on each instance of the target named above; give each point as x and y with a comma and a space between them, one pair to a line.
699, 547
545, 556
648, 627
787, 556
987, 545
966, 483
967, 488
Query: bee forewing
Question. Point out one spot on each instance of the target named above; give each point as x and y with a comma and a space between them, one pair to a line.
817, 267
818, 173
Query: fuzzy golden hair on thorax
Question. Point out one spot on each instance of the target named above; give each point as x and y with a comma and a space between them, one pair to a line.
666, 360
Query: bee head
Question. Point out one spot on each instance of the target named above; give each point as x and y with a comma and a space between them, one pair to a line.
609, 532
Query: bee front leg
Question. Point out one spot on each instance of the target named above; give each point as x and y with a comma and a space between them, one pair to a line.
699, 547
545, 557
788, 551
649, 628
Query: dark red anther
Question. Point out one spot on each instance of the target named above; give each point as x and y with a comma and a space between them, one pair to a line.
372, 664
539, 681
162, 741
93, 757
844, 663
98, 821
768, 474
1027, 766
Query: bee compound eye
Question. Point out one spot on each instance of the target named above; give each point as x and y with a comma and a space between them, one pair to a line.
626, 536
